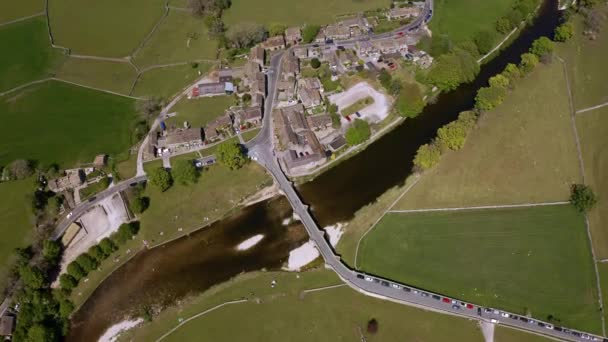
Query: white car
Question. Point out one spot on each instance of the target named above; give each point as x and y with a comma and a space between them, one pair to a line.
495, 321
69, 215
549, 326
496, 312
504, 314
395, 286
369, 279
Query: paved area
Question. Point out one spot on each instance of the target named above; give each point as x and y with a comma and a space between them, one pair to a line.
375, 112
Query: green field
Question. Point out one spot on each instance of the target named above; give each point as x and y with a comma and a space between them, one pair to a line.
594, 144
503, 334
519, 260
250, 134
523, 151
12, 10
198, 112
296, 12
16, 219
167, 82
117, 77
180, 38
286, 313
602, 268
57, 122
110, 28
26, 53
461, 20
216, 192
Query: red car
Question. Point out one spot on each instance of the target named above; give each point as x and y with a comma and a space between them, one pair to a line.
469, 306
445, 300
347, 118
400, 34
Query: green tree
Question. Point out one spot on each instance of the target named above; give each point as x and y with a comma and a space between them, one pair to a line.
499, 81
528, 63
504, 25
542, 46
231, 155
184, 171
452, 135
452, 69
276, 29
41, 333
511, 72
126, 231
427, 156
32, 277
409, 102
67, 281
97, 253
139, 204
161, 178
310, 32
564, 32
485, 41
489, 97
86, 262
358, 133
51, 250
315, 63
66, 307
76, 271
385, 78
515, 17
582, 197
107, 246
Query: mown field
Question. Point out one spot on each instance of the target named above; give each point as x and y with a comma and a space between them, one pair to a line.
57, 122
198, 112
111, 28
117, 77
602, 268
461, 20
16, 219
523, 151
26, 53
526, 260
296, 12
285, 313
180, 38
167, 82
12, 10
594, 144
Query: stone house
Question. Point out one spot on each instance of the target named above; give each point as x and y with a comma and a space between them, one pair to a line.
293, 35
274, 43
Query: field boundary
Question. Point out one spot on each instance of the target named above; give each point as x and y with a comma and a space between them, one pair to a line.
14, 21
505, 206
151, 33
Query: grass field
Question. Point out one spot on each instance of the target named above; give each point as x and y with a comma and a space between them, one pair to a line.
216, 192
167, 82
57, 122
296, 12
461, 20
26, 53
602, 268
585, 59
198, 112
16, 219
11, 10
594, 145
503, 334
250, 134
111, 28
117, 77
180, 38
520, 260
92, 189
285, 313
523, 151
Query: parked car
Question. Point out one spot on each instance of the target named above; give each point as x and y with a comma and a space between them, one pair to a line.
384, 283
358, 114
407, 289
523, 319
360, 276
456, 307
504, 314
424, 294
488, 310
469, 306
369, 279
541, 324
495, 321
445, 300
395, 286
478, 311
436, 297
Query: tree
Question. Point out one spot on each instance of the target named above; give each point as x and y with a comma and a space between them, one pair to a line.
564, 32
32, 277
358, 133
246, 98
51, 250
582, 197
20, 169
76, 271
528, 63
489, 97
150, 107
245, 35
499, 81
395, 87
315, 63
107, 246
310, 32
515, 17
385, 78
184, 171
126, 231
440, 45
86, 262
409, 102
276, 29
231, 155
427, 156
485, 41
372, 326
97, 253
139, 204
452, 69
503, 25
67, 281
66, 307
452, 135
160, 178
542, 46
511, 72
41, 333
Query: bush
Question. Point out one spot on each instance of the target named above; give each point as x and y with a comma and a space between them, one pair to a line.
184, 171
511, 72
515, 17
528, 63
499, 81
97, 253
86, 262
276, 29
582, 197
542, 46
315, 63
452, 69
427, 156
51, 250
564, 32
452, 136
489, 97
161, 178
372, 326
32, 277
67, 281
485, 41
66, 307
409, 102
309, 33
231, 155
358, 133
126, 231
107, 246
504, 25
76, 271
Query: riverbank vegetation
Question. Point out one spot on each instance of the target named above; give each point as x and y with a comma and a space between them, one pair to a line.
517, 252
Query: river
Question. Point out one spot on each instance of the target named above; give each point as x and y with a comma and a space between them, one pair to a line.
190, 265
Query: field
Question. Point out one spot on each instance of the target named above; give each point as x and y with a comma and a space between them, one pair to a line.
520, 260
503, 334
65, 124
92, 189
117, 77
167, 82
111, 28
26, 53
198, 112
594, 145
296, 12
180, 38
189, 207
16, 219
285, 313
462, 20
523, 151
602, 268
11, 10
250, 134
